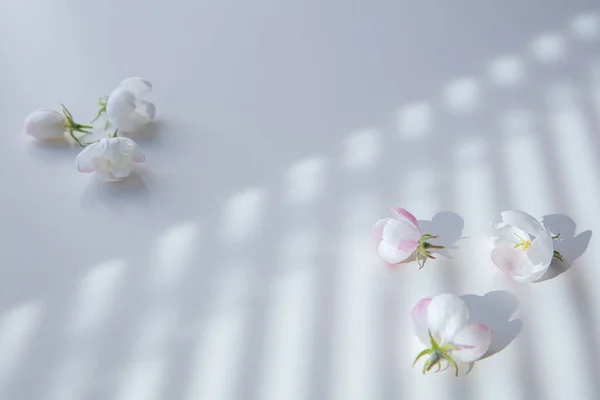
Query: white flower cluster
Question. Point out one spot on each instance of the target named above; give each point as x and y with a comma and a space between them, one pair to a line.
111, 157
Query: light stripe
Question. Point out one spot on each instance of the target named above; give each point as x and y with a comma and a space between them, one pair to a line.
217, 349
17, 329
524, 167
286, 370
243, 215
354, 371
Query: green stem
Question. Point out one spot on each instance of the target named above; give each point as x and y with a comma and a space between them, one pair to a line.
71, 126
437, 354
422, 249
452, 362
102, 102
75, 138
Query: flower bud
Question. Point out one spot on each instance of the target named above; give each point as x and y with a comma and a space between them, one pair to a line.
45, 125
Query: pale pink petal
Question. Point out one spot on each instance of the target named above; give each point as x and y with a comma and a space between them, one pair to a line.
419, 320
395, 240
447, 314
507, 258
390, 253
472, 342
408, 246
405, 215
523, 221
516, 263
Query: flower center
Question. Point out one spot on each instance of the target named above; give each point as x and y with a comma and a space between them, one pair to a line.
524, 244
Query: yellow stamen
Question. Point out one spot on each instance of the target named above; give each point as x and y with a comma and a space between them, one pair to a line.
523, 244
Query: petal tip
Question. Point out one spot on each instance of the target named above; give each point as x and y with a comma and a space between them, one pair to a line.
404, 214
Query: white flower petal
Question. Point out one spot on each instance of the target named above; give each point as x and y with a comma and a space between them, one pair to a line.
517, 263
541, 250
102, 170
377, 231
85, 160
535, 272
447, 314
120, 102
138, 86
394, 231
45, 125
129, 147
126, 108
111, 149
111, 158
419, 320
523, 221
147, 108
391, 253
121, 169
472, 342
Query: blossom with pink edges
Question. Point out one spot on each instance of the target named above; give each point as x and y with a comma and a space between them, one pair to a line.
398, 239
522, 246
442, 324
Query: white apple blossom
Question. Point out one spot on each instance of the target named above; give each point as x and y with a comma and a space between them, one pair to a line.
110, 158
127, 108
522, 246
442, 324
397, 239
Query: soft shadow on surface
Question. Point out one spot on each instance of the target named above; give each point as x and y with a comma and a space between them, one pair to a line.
495, 310
570, 245
52, 150
150, 132
448, 226
133, 191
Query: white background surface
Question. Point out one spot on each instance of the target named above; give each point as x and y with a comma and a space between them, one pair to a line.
238, 263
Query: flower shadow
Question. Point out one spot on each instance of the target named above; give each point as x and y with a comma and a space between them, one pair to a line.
570, 246
150, 132
495, 309
119, 197
448, 226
